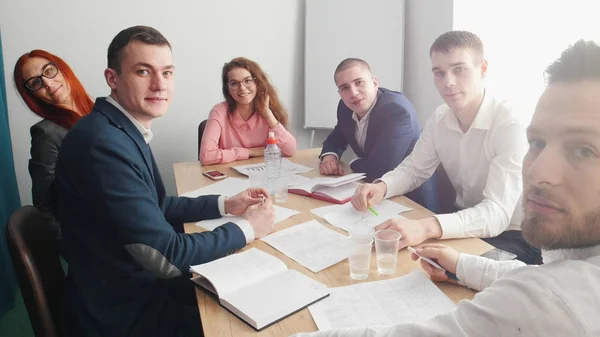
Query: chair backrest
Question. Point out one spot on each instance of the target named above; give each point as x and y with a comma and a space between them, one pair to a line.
35, 256
200, 133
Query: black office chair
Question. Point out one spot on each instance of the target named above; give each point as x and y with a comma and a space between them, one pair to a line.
200, 133
36, 258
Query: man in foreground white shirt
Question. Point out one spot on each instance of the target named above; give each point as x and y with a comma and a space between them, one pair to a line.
561, 178
480, 141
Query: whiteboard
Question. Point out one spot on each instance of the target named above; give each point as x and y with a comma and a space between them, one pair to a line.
337, 29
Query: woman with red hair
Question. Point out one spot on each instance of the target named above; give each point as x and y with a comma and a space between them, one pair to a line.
52, 91
239, 127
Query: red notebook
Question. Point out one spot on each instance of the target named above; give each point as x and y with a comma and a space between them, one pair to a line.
335, 190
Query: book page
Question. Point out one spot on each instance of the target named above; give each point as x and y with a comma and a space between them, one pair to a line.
281, 213
274, 298
228, 186
237, 271
407, 299
342, 192
345, 216
310, 244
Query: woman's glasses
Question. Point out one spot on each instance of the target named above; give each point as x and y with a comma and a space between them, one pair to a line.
235, 85
35, 83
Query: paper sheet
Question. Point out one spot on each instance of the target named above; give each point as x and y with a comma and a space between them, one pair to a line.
407, 299
228, 186
310, 244
287, 168
344, 216
281, 213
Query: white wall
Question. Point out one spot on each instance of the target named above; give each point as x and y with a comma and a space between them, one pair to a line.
425, 21
204, 35
521, 38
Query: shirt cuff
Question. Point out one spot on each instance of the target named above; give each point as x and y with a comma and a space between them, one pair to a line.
221, 203
450, 223
471, 270
327, 153
242, 153
246, 227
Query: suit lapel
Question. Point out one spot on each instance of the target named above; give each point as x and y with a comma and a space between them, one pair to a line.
117, 118
374, 124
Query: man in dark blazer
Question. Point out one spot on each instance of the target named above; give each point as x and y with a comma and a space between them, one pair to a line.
380, 125
122, 235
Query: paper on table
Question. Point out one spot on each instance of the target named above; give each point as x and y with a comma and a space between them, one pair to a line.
344, 216
258, 179
310, 244
228, 186
407, 299
281, 213
287, 167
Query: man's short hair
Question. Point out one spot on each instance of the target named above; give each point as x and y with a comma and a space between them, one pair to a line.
145, 34
349, 63
581, 61
457, 39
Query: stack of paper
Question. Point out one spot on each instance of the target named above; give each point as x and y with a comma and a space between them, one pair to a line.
281, 214
345, 216
310, 244
408, 299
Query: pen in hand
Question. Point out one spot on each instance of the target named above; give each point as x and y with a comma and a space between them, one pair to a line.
431, 262
372, 210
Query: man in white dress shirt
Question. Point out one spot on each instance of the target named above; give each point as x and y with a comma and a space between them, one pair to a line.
480, 141
561, 178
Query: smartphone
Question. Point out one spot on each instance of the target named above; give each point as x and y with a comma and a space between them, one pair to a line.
215, 175
499, 255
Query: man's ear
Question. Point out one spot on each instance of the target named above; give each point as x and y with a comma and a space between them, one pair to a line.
484, 68
111, 78
376, 82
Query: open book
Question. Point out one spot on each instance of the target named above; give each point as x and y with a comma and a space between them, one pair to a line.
336, 190
257, 287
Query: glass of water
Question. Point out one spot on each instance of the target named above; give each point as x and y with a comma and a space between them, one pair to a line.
359, 257
281, 191
387, 242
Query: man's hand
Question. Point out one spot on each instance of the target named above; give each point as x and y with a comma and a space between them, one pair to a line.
368, 195
238, 204
445, 256
330, 166
262, 218
413, 231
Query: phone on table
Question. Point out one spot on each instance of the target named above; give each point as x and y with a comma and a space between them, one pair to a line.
215, 175
499, 255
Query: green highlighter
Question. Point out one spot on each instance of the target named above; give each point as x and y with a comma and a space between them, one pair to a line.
372, 210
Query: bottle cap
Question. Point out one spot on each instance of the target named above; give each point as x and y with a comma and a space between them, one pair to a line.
272, 139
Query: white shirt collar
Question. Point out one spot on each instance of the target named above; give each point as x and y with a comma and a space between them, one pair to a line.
484, 118
146, 133
570, 254
366, 117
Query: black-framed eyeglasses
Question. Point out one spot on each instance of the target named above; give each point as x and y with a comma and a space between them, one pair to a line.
35, 83
247, 82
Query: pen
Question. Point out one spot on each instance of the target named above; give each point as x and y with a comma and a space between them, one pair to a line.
372, 210
262, 202
428, 260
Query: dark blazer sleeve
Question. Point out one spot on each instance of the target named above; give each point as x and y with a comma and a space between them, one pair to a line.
45, 144
123, 198
336, 142
393, 142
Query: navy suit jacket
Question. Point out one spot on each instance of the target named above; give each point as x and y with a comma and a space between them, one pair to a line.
122, 234
392, 134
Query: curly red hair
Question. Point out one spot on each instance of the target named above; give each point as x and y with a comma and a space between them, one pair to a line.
61, 116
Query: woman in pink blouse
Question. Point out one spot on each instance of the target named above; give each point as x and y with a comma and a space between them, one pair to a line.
238, 128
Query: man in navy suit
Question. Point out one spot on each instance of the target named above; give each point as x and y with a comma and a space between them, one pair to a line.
380, 125
123, 237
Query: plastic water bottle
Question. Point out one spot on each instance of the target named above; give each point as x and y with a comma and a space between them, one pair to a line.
276, 186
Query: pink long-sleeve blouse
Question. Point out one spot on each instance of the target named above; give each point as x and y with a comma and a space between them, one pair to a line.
228, 138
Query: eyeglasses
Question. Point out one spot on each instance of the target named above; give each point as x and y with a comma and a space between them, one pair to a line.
35, 83
248, 82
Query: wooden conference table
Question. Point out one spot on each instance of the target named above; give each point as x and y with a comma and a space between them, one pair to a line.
219, 322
